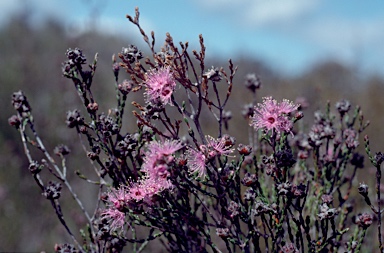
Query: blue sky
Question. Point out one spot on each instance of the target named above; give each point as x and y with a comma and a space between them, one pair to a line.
289, 35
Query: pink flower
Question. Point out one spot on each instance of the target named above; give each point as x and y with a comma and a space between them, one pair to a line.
137, 192
287, 106
158, 156
196, 162
118, 197
146, 188
155, 186
164, 148
114, 217
157, 162
271, 115
217, 146
160, 86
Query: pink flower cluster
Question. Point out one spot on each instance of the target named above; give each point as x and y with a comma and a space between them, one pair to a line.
117, 199
271, 115
196, 159
160, 85
158, 158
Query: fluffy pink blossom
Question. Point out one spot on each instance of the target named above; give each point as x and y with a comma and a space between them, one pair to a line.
115, 218
196, 162
118, 197
157, 161
271, 115
165, 148
160, 85
217, 146
137, 192
158, 156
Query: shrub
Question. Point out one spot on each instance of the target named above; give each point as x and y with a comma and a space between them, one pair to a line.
286, 190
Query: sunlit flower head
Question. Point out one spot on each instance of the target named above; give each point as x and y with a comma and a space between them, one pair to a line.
271, 115
160, 85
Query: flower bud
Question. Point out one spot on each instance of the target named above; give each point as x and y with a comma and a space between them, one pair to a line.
35, 167
14, 121
52, 191
364, 220
125, 87
363, 189
222, 232
93, 107
249, 179
244, 149
61, 150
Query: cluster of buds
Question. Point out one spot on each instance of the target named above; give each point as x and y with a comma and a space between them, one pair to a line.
75, 60
128, 144
233, 209
351, 138
125, 87
222, 232
260, 208
326, 212
20, 103
107, 125
292, 191
343, 106
252, 82
289, 248
52, 191
364, 220
74, 119
131, 54
213, 74
249, 179
323, 129
284, 159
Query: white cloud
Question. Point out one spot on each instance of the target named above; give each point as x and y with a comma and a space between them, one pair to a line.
346, 39
261, 12
340, 32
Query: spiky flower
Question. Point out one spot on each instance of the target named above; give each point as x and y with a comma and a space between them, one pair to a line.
160, 85
114, 217
158, 156
196, 159
271, 115
217, 146
157, 163
196, 162
118, 197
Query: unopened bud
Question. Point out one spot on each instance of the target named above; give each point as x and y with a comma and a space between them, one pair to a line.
363, 189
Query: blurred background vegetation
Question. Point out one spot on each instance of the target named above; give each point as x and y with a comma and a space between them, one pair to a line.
31, 60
